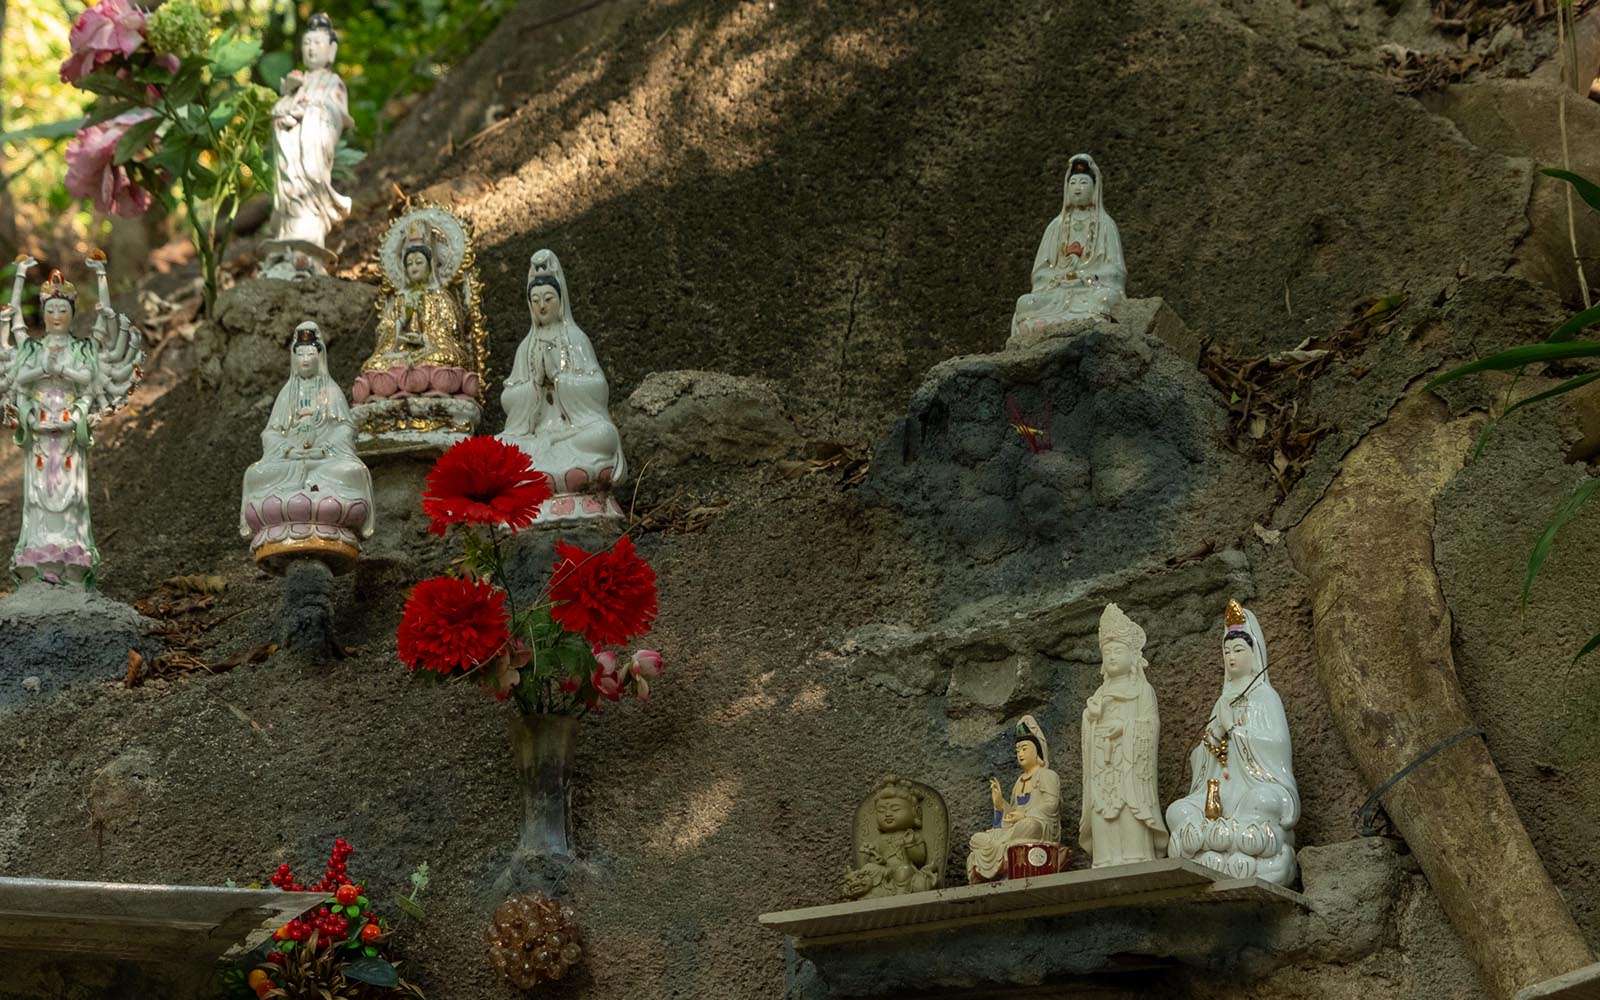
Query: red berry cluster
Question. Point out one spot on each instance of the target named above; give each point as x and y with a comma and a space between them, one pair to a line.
333, 876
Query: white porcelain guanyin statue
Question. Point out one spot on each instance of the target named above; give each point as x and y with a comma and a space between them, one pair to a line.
556, 404
1033, 816
307, 122
1121, 818
1242, 805
56, 386
1078, 273
309, 495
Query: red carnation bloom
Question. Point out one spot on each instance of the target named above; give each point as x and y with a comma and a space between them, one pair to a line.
483, 480
607, 597
452, 624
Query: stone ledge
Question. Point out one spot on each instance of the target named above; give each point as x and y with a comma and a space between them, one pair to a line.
1167, 882
155, 923
1579, 984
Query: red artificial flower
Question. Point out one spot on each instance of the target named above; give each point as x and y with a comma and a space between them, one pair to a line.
483, 480
452, 624
607, 597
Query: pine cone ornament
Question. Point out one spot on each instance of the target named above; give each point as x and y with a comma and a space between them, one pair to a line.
533, 940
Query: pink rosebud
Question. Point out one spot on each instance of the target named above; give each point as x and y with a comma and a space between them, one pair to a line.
109, 29
607, 661
607, 683
91, 172
646, 663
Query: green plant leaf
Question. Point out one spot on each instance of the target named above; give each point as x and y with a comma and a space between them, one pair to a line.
1547, 539
1569, 329
49, 130
110, 85
1588, 190
1588, 647
374, 971
1516, 357
1576, 382
186, 88
229, 54
135, 139
273, 67
409, 907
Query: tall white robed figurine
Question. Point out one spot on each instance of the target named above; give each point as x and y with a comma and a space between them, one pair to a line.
1242, 805
1078, 273
556, 404
309, 495
1121, 818
56, 387
307, 122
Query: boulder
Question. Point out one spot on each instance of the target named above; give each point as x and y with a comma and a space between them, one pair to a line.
246, 348
682, 416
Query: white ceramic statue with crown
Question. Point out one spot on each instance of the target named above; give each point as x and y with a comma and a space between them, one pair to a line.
1242, 805
307, 123
556, 404
1078, 273
56, 387
422, 388
1121, 818
1024, 837
309, 495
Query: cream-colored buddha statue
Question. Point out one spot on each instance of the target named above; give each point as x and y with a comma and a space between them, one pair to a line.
309, 495
421, 389
1243, 803
1121, 818
1078, 273
556, 404
1032, 816
902, 836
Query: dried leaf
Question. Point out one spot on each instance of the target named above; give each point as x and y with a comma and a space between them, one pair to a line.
198, 583
135, 664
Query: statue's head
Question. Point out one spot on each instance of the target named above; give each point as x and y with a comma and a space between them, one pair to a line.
1239, 654
319, 46
1029, 753
1080, 184
544, 299
57, 302
897, 806
1121, 643
306, 350
419, 265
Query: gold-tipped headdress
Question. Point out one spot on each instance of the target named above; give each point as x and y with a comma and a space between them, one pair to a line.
418, 238
1118, 626
1234, 615
57, 287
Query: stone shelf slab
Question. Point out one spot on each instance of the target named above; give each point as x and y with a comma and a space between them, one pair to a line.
1149, 883
140, 923
1579, 984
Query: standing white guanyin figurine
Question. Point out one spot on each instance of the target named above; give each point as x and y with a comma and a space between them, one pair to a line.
307, 122
1078, 273
308, 496
1242, 805
556, 404
1032, 816
56, 387
1121, 819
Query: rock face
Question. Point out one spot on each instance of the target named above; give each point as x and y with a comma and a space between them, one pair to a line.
64, 635
682, 416
244, 350
1089, 452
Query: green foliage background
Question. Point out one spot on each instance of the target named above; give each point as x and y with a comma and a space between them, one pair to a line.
388, 50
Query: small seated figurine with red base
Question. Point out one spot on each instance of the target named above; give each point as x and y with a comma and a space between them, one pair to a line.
1025, 838
309, 495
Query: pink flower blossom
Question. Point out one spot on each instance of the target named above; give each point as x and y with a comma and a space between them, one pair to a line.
608, 678
92, 174
109, 29
647, 663
506, 670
